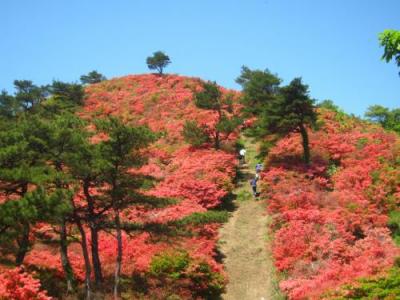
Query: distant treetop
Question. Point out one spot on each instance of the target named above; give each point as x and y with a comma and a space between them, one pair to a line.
329, 104
92, 77
388, 118
158, 61
259, 88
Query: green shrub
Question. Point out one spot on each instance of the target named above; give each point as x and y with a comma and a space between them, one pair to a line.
332, 169
244, 195
265, 147
361, 142
209, 284
176, 275
394, 225
170, 264
194, 134
50, 281
385, 288
329, 105
381, 288
207, 217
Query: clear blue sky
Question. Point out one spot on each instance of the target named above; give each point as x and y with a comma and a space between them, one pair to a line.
332, 44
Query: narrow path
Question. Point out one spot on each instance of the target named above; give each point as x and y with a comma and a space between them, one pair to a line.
244, 241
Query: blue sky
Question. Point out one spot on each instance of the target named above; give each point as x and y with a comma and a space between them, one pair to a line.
332, 44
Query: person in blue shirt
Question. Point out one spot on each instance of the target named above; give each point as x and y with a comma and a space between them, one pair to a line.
259, 167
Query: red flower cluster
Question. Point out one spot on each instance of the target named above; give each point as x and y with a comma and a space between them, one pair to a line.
330, 218
17, 284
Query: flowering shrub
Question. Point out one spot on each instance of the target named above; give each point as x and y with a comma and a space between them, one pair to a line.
330, 219
16, 284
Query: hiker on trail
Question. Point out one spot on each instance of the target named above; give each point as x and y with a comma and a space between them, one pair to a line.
253, 184
259, 168
242, 154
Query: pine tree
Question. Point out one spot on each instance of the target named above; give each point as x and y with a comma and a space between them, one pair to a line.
259, 89
292, 111
85, 165
22, 167
70, 94
28, 96
92, 77
121, 151
194, 134
65, 134
8, 107
158, 61
211, 98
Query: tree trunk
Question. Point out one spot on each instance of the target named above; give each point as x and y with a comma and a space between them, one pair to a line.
23, 244
88, 269
119, 255
98, 274
217, 140
94, 235
66, 265
306, 146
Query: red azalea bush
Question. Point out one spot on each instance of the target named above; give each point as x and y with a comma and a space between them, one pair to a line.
330, 219
16, 284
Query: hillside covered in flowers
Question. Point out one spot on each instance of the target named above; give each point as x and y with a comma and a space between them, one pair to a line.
331, 218
120, 187
177, 236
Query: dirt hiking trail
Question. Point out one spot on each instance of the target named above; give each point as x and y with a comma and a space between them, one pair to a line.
244, 241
